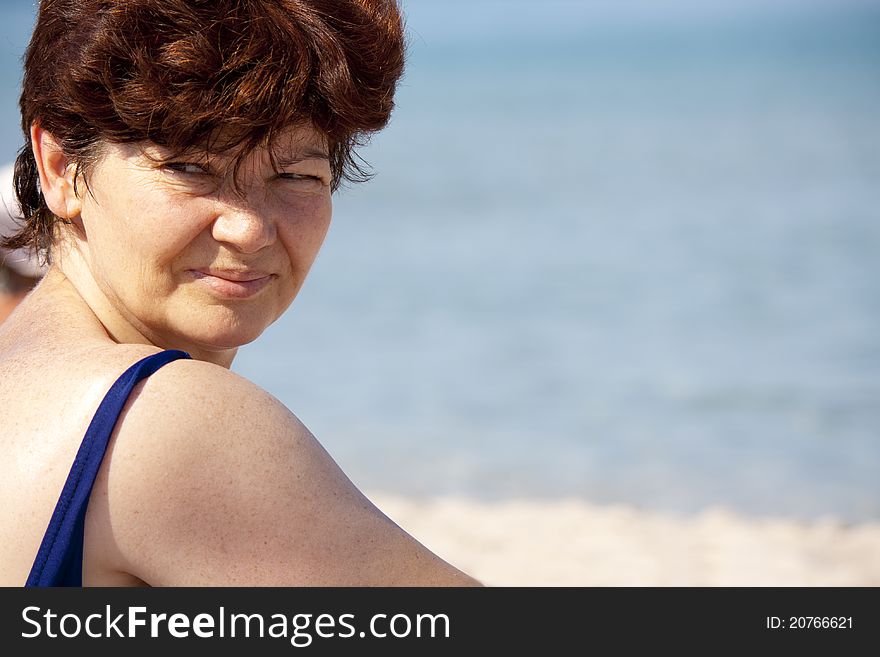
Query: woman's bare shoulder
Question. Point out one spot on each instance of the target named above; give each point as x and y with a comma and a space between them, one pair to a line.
202, 396
212, 481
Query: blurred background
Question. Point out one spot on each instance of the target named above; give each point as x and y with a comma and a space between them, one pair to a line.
627, 252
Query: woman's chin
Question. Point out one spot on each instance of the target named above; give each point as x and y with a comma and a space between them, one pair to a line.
229, 339
219, 334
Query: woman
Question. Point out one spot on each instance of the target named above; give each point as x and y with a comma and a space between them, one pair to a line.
179, 163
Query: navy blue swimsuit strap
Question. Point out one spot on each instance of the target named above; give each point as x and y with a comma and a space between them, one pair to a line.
59, 560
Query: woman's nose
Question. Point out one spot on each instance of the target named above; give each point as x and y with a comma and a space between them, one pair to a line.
244, 227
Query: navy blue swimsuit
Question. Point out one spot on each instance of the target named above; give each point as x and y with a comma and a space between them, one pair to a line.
59, 560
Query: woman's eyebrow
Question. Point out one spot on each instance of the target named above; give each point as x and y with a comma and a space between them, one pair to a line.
300, 155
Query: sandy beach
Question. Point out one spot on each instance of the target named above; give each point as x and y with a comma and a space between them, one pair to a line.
574, 543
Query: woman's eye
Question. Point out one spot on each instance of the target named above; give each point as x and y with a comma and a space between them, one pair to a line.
302, 181
185, 167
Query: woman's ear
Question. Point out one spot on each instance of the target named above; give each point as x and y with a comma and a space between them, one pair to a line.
56, 174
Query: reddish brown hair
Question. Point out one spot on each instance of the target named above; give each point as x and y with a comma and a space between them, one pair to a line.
223, 75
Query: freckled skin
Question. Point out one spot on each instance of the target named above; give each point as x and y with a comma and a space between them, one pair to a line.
208, 480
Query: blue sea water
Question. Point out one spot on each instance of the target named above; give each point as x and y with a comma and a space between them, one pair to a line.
611, 251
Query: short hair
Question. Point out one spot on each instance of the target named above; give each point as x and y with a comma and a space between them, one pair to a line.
223, 75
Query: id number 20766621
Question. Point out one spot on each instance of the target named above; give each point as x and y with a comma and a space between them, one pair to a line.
809, 623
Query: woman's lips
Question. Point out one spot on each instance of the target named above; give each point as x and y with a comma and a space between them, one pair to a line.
232, 283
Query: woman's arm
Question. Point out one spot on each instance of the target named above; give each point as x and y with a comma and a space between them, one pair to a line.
211, 481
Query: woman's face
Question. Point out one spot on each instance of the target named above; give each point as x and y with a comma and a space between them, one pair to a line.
195, 256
